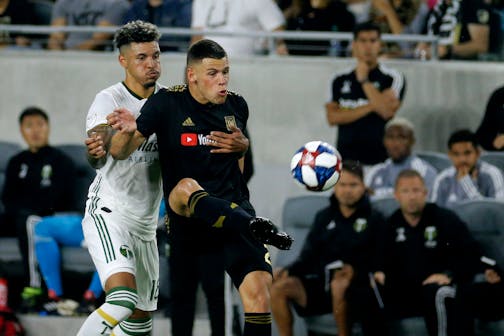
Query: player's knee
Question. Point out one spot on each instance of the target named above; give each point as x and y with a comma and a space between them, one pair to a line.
255, 292
40, 229
120, 303
185, 187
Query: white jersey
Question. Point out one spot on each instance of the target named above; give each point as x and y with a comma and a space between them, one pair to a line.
236, 16
131, 187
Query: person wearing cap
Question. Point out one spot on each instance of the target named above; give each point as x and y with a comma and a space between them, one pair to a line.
398, 140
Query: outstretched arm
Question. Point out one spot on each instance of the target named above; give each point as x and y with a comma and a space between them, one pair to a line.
127, 139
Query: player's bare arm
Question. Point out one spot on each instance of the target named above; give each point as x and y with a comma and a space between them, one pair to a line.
97, 143
337, 115
127, 139
234, 142
384, 103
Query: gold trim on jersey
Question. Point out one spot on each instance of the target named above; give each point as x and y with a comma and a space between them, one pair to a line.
177, 88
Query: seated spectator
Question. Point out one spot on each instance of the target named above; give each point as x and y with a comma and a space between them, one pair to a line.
490, 132
15, 12
164, 13
238, 16
320, 15
399, 17
38, 181
331, 273
398, 141
469, 178
51, 233
99, 13
426, 249
467, 29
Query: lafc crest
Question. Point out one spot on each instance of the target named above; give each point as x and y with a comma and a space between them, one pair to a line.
230, 123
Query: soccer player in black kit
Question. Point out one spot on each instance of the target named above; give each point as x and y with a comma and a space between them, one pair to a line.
198, 128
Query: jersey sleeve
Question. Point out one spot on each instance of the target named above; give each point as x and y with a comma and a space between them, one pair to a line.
150, 117
102, 105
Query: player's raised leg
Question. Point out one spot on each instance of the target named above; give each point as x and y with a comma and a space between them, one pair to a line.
189, 199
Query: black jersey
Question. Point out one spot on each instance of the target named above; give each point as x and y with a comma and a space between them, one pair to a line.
181, 125
41, 182
362, 140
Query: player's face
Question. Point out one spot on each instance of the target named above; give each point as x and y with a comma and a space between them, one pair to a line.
142, 63
398, 142
411, 194
464, 155
349, 189
35, 131
366, 47
209, 79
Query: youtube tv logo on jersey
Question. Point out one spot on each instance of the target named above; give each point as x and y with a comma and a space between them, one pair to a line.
189, 139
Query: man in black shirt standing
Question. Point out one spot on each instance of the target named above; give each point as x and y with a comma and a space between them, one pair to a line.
364, 99
201, 145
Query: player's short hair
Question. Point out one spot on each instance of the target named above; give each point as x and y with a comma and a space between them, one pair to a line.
136, 32
400, 122
408, 173
463, 135
354, 168
365, 26
33, 111
205, 49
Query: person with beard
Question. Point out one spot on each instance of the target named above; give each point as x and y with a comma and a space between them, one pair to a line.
428, 250
398, 141
469, 178
331, 274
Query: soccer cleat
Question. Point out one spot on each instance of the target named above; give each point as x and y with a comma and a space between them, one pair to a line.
267, 233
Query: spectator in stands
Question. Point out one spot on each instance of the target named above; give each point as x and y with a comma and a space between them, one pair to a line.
15, 12
490, 132
99, 13
238, 16
364, 99
320, 15
467, 29
331, 272
399, 17
399, 140
427, 248
469, 178
164, 13
39, 181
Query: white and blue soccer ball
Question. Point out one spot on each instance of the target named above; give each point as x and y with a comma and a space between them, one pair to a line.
316, 165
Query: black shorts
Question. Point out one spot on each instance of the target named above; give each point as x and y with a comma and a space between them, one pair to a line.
319, 300
242, 253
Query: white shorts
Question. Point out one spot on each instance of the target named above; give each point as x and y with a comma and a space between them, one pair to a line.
114, 249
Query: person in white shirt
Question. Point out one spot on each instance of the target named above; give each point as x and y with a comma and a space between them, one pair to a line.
238, 16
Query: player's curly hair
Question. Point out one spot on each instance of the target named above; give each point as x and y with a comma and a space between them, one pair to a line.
136, 32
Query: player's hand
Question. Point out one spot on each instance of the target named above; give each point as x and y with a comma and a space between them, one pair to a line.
95, 146
234, 142
122, 120
492, 276
437, 278
462, 172
498, 142
379, 277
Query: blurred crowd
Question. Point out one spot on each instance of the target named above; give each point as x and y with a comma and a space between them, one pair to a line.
465, 29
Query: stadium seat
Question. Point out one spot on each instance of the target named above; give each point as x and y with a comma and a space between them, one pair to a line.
485, 220
439, 161
494, 158
85, 173
387, 205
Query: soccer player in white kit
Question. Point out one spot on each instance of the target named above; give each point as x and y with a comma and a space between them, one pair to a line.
123, 201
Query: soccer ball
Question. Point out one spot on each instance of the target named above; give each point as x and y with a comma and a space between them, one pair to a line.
316, 165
